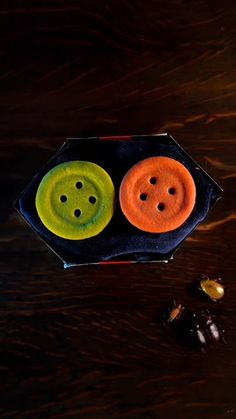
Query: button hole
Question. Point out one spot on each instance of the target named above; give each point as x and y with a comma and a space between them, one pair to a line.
171, 191
63, 198
92, 199
153, 180
79, 185
77, 213
143, 196
161, 206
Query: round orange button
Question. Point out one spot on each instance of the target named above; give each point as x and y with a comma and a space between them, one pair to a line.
157, 194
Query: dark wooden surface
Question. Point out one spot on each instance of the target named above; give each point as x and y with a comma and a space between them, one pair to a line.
89, 342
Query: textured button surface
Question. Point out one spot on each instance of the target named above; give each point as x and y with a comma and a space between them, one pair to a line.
75, 200
157, 194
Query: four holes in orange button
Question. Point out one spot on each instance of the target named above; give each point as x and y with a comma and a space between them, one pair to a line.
157, 194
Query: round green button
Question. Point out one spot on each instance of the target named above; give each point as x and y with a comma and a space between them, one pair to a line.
75, 200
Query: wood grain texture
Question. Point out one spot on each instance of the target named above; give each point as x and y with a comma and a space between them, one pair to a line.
89, 342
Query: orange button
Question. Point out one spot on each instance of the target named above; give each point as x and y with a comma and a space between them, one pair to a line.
157, 194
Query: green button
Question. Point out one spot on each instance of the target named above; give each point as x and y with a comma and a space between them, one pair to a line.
75, 200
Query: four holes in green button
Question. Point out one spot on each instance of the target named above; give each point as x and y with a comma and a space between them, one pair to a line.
77, 212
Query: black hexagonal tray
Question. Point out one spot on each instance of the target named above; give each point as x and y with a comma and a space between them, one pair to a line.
120, 241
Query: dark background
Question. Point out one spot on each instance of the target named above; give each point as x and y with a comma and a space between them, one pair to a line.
89, 342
